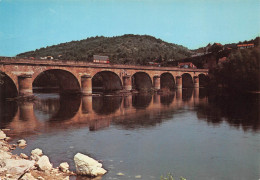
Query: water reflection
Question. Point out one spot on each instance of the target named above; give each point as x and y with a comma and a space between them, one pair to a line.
132, 111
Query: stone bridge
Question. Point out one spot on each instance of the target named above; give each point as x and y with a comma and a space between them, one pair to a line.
21, 76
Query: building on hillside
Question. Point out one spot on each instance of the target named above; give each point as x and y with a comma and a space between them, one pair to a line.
187, 65
100, 59
245, 46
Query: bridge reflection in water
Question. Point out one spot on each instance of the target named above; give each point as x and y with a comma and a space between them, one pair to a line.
53, 112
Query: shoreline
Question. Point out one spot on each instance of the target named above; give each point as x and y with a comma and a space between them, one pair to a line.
28, 167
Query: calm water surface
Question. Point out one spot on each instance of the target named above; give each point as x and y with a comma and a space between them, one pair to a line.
188, 133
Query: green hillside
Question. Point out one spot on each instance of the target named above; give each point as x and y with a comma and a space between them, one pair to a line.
126, 49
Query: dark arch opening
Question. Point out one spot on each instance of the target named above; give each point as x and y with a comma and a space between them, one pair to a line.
167, 82
187, 81
56, 80
106, 82
7, 87
142, 82
203, 80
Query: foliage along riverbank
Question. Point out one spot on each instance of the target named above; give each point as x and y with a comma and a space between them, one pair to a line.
240, 73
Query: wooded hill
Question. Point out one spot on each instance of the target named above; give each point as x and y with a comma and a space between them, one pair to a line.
126, 49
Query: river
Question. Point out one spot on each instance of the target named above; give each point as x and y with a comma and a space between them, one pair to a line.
189, 133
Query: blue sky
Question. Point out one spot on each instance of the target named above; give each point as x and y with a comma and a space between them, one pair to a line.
30, 24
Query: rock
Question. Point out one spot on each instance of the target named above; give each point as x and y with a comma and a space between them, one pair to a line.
64, 167
88, 166
36, 154
2, 135
5, 155
21, 143
35, 157
40, 178
37, 151
17, 167
44, 163
8, 139
28, 176
24, 156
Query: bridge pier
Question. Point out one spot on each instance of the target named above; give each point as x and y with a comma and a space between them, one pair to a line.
25, 85
127, 83
196, 82
157, 83
86, 85
178, 82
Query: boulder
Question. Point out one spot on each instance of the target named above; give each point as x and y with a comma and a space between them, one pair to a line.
88, 166
64, 167
36, 154
5, 155
2, 135
17, 167
44, 163
21, 143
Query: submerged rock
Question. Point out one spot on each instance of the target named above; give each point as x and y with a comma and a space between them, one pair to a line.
44, 163
88, 166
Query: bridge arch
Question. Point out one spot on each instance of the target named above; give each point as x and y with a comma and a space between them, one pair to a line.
106, 81
8, 88
167, 82
61, 80
141, 81
187, 81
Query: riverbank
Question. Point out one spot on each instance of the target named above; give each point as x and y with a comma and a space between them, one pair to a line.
28, 167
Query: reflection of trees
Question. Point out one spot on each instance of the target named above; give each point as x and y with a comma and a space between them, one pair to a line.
240, 111
105, 105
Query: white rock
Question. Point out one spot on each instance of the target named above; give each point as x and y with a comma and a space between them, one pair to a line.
2, 135
21, 143
24, 156
44, 163
88, 166
17, 167
64, 167
37, 151
5, 155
